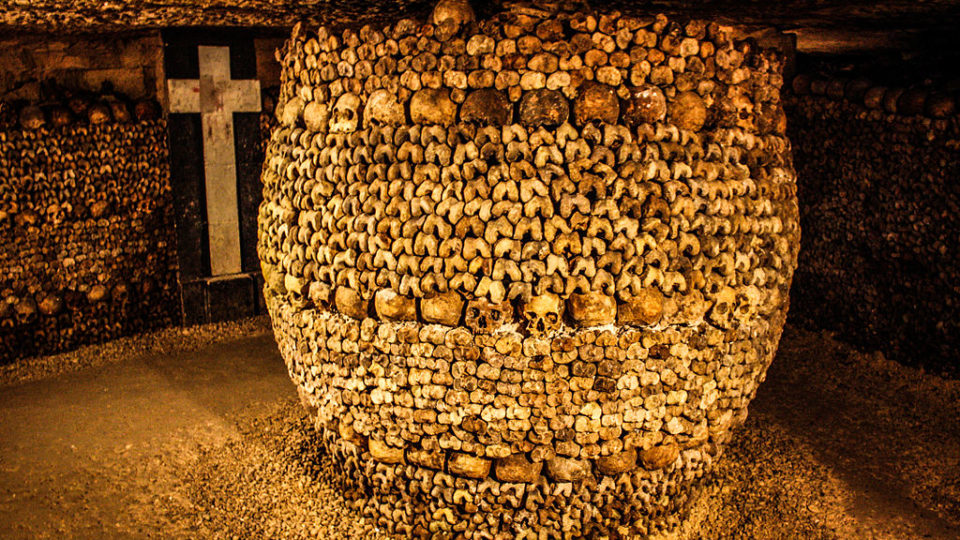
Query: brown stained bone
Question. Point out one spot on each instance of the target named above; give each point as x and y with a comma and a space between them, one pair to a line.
445, 308
855, 89
60, 116
771, 119
596, 102
382, 109
458, 12
912, 101
940, 105
426, 458
645, 105
543, 314
383, 453
873, 98
50, 305
522, 216
643, 308
31, 117
119, 111
99, 113
469, 466
485, 317
146, 110
349, 302
517, 468
433, 106
562, 469
687, 111
93, 185
659, 457
394, 307
316, 116
618, 463
543, 107
592, 309
487, 106
289, 112
345, 117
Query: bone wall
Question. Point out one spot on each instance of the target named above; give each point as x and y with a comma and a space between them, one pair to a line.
85, 226
879, 200
527, 272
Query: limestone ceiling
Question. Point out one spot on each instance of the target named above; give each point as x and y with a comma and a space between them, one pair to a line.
99, 15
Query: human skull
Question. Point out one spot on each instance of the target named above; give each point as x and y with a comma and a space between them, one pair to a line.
443, 308
688, 111
60, 116
121, 293
725, 301
346, 114
383, 109
433, 106
743, 110
597, 102
544, 108
643, 308
146, 110
485, 317
691, 308
459, 11
320, 294
31, 117
487, 106
99, 113
645, 105
316, 116
120, 111
542, 314
287, 113
26, 310
592, 308
50, 304
748, 304
6, 312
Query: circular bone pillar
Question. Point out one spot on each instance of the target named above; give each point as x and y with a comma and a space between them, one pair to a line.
527, 272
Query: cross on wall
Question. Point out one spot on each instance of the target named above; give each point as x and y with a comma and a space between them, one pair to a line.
216, 97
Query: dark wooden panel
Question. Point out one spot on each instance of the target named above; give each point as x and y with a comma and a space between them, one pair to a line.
249, 193
189, 195
230, 298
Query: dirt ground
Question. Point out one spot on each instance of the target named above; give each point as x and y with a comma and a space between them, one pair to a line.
197, 434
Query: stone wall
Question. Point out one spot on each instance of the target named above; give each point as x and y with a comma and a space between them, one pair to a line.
131, 64
879, 201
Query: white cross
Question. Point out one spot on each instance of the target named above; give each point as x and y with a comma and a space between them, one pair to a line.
216, 97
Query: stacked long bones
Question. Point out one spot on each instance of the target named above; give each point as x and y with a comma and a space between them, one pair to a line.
85, 221
527, 274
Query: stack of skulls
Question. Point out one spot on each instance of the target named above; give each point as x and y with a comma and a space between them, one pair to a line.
86, 226
528, 272
880, 214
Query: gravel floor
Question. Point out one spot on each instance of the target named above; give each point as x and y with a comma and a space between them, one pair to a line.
839, 444
165, 341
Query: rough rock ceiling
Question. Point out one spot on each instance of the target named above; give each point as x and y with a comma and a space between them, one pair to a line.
97, 15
